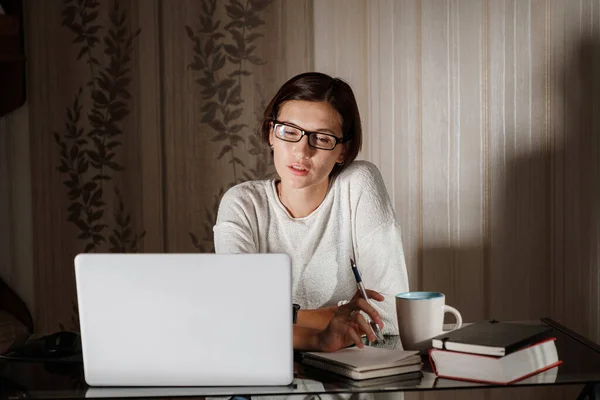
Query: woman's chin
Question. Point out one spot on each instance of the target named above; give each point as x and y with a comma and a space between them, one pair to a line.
296, 183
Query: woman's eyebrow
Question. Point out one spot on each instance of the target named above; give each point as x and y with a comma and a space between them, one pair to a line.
327, 130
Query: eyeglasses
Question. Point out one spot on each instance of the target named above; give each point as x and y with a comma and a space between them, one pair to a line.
318, 140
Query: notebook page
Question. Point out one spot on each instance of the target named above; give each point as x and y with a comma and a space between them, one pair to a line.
368, 358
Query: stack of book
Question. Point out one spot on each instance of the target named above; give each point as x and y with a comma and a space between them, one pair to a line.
493, 352
366, 363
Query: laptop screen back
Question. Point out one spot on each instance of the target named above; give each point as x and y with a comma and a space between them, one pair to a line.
185, 319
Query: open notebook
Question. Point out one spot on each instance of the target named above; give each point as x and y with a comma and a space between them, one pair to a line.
365, 363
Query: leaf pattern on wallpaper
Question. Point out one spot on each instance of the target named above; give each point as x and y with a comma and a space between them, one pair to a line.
263, 167
220, 55
88, 147
89, 144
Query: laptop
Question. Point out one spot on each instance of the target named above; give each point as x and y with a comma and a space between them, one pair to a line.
185, 319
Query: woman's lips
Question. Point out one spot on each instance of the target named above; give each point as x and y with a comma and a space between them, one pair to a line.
298, 170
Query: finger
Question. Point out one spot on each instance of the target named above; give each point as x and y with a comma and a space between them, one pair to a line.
374, 295
347, 309
364, 327
365, 306
355, 326
354, 336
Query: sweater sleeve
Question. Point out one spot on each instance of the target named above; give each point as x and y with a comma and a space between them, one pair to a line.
382, 258
233, 231
379, 249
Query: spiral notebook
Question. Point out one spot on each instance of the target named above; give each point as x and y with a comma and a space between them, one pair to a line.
365, 363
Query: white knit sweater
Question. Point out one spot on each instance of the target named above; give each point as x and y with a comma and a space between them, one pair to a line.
356, 219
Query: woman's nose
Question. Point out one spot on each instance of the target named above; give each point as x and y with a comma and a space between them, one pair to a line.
302, 148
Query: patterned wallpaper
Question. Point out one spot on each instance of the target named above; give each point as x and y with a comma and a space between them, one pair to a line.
141, 114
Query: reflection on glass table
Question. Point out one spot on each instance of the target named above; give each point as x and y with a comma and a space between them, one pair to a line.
581, 366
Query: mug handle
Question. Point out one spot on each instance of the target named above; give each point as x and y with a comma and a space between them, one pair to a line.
456, 314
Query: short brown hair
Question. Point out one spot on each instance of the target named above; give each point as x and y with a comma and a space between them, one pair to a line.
316, 86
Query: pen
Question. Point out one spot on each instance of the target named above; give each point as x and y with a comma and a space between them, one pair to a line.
363, 292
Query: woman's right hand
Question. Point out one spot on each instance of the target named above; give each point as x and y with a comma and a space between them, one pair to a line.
348, 325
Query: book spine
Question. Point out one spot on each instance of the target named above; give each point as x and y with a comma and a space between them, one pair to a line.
309, 358
330, 367
431, 362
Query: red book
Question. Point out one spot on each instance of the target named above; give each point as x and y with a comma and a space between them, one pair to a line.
518, 365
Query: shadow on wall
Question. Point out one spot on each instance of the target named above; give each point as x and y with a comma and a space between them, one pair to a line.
542, 260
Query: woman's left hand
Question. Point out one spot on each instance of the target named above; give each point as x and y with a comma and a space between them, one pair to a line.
347, 325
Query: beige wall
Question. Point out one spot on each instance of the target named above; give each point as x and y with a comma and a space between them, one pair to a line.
483, 117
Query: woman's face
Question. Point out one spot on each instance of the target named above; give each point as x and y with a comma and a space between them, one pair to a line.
299, 165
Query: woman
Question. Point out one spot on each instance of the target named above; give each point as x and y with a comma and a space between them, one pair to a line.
324, 209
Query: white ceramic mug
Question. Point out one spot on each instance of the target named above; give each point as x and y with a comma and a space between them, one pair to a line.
421, 317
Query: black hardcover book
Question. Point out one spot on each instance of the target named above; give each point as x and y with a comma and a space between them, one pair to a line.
491, 338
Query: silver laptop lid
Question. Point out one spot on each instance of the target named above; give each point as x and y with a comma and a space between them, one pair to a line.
185, 319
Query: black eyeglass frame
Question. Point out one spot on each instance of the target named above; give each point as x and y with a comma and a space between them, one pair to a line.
306, 133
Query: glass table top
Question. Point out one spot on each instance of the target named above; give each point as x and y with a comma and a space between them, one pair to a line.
19, 379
